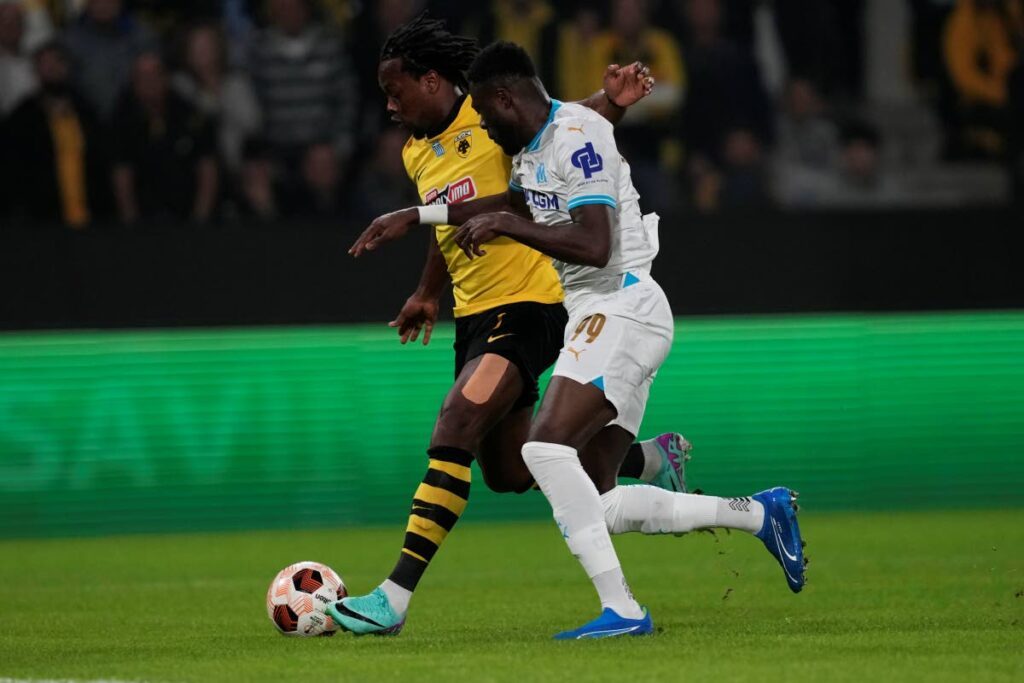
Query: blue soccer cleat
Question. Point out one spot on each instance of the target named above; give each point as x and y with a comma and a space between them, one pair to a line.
610, 625
367, 614
675, 451
780, 533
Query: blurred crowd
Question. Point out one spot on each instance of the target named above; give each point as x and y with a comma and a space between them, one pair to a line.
219, 111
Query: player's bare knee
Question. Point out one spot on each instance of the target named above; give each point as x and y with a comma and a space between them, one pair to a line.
460, 423
552, 433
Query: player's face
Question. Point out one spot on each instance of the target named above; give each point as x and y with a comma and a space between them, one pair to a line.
406, 96
497, 117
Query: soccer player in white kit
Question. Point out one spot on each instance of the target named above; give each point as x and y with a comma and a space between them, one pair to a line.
586, 215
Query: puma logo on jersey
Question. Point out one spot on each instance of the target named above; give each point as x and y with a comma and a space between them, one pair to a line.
574, 352
578, 130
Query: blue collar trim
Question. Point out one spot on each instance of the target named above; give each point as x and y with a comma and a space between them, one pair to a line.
535, 143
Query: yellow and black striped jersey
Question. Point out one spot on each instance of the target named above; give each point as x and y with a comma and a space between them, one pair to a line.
460, 164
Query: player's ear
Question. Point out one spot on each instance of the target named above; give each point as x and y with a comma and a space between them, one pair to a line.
504, 97
430, 81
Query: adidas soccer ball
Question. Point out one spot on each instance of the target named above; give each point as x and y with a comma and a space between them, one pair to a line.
298, 596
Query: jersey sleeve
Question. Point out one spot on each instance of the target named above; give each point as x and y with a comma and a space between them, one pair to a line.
588, 162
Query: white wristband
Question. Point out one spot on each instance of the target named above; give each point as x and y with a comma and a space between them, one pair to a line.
433, 214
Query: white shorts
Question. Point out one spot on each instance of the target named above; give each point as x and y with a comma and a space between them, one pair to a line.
617, 338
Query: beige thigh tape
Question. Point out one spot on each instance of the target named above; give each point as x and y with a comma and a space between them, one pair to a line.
485, 378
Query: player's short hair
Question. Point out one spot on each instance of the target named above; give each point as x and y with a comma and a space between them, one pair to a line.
425, 44
502, 61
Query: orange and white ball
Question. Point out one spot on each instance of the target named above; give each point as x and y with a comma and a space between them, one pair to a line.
298, 596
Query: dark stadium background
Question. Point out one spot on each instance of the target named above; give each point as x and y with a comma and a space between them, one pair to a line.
839, 183
198, 385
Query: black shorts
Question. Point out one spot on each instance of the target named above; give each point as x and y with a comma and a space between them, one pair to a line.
528, 334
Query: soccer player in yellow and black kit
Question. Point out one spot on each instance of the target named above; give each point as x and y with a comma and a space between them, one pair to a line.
508, 307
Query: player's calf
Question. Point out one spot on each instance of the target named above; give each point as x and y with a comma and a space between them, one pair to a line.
507, 477
500, 454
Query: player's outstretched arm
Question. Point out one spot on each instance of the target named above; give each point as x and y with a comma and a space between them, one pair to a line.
624, 86
394, 225
585, 240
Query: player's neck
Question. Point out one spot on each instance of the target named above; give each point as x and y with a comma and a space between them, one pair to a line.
535, 117
449, 108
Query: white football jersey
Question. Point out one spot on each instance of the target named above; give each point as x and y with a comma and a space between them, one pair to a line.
573, 161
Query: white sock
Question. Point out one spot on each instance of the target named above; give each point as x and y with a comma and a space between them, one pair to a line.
398, 597
651, 510
578, 512
610, 586
652, 460
745, 514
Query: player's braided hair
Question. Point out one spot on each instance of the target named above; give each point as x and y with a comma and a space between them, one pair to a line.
426, 44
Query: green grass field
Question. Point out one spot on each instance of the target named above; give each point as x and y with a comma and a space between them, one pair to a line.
909, 597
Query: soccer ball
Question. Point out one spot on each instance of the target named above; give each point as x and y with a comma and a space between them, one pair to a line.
298, 596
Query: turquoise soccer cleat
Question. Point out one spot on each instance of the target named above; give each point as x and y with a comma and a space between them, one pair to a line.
610, 625
780, 533
367, 614
675, 451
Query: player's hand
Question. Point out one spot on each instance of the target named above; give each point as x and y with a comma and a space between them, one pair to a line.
627, 85
418, 313
480, 230
383, 229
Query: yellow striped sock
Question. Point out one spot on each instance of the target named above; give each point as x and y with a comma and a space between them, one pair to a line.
437, 505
